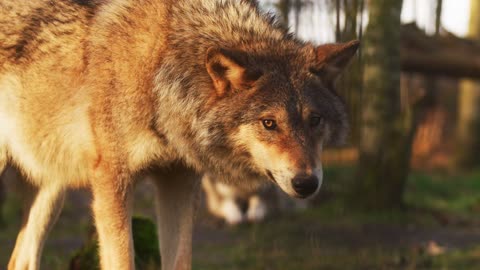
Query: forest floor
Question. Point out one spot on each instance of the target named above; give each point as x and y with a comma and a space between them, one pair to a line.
440, 229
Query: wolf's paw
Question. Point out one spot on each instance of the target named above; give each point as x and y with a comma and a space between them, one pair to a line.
232, 213
257, 209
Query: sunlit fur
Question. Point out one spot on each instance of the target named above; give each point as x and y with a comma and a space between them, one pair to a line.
95, 93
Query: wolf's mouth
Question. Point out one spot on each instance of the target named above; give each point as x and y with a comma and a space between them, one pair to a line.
270, 175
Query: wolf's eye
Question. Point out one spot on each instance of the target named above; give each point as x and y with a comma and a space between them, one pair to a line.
269, 124
315, 121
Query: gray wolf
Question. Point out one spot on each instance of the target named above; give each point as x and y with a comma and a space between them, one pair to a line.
98, 94
235, 203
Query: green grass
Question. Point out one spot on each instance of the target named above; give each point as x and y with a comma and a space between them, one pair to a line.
457, 194
458, 259
450, 193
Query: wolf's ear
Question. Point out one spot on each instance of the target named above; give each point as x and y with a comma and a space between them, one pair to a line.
229, 70
331, 59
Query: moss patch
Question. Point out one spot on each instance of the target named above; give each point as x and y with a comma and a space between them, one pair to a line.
145, 243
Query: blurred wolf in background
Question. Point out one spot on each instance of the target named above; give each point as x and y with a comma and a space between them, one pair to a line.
235, 204
97, 94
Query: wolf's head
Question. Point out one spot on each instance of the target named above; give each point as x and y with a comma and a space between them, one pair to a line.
276, 106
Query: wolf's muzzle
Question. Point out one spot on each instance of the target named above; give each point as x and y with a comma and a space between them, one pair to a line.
305, 185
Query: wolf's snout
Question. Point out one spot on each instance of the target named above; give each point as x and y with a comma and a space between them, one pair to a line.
305, 185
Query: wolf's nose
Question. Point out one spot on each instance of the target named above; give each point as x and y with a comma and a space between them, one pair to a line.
305, 185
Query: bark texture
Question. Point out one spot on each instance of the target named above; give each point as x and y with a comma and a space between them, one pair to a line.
385, 135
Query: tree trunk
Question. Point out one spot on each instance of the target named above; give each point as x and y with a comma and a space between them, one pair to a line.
297, 9
350, 8
468, 136
283, 6
429, 101
2, 200
337, 21
350, 84
385, 136
438, 16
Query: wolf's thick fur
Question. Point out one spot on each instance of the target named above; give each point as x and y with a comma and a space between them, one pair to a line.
95, 93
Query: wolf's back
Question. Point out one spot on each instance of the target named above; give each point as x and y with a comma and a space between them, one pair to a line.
222, 23
30, 30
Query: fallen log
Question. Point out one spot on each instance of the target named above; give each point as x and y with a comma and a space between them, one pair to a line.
443, 55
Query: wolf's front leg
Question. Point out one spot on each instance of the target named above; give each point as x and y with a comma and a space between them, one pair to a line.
42, 207
112, 212
175, 199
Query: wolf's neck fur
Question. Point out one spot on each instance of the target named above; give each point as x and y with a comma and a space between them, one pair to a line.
184, 89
